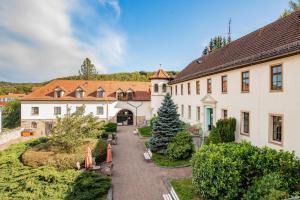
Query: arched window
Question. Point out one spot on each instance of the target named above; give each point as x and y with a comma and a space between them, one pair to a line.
156, 88
33, 125
164, 88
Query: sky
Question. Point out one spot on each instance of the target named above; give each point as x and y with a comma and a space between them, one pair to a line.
42, 40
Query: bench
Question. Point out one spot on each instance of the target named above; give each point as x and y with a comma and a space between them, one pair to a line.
148, 154
167, 197
173, 194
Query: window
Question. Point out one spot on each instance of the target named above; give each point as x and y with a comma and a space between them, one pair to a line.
189, 88
198, 113
209, 86
100, 93
34, 110
100, 110
276, 78
181, 87
58, 93
171, 90
156, 88
224, 84
182, 110
245, 81
197, 87
276, 128
120, 96
33, 125
57, 110
129, 96
164, 88
79, 109
245, 123
79, 93
176, 90
224, 114
189, 112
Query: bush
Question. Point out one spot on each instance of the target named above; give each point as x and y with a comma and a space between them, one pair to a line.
181, 146
269, 187
12, 114
223, 132
145, 131
110, 127
235, 167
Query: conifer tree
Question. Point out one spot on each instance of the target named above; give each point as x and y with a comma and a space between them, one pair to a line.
166, 126
87, 70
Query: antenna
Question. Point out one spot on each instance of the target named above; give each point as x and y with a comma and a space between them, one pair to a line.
229, 31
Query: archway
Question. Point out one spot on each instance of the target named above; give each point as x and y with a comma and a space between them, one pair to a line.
125, 117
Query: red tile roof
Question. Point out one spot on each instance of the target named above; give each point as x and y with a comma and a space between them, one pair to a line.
160, 74
278, 39
13, 95
141, 90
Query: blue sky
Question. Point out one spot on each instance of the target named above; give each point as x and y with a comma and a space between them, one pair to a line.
51, 38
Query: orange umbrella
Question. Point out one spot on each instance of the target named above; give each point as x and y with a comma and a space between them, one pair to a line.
109, 154
88, 159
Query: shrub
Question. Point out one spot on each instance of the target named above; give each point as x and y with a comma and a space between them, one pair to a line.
223, 132
110, 127
181, 147
145, 131
234, 167
12, 114
268, 187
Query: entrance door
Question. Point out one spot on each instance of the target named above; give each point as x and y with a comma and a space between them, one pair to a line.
209, 118
48, 127
125, 118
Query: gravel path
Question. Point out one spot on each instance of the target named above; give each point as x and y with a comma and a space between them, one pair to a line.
133, 177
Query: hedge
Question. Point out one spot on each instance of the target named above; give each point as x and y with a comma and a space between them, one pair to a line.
229, 170
223, 132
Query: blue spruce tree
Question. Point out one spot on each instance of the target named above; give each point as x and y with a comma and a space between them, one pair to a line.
166, 126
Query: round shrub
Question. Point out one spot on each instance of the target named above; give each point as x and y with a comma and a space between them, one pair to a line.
227, 170
181, 147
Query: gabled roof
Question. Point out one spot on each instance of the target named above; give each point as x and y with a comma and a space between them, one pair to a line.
278, 39
160, 74
46, 92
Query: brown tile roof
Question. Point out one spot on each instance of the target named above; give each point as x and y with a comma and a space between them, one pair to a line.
278, 39
141, 90
13, 95
160, 74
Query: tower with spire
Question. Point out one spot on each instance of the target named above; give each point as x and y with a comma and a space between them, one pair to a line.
159, 88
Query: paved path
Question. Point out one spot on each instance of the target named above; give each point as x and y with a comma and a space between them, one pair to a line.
133, 177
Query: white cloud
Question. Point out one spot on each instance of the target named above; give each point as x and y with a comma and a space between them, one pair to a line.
114, 4
38, 43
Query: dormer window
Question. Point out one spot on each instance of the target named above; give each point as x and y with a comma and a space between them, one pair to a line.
58, 92
100, 93
79, 92
119, 94
130, 94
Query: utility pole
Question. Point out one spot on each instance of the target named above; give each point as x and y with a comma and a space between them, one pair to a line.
229, 31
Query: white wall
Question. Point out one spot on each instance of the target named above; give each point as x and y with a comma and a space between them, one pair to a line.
46, 108
157, 97
259, 101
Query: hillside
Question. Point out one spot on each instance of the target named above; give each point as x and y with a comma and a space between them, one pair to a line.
8, 87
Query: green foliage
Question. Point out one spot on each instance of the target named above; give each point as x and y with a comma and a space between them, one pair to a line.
12, 114
215, 43
268, 187
110, 127
223, 132
235, 167
166, 126
294, 5
152, 120
181, 147
20, 182
87, 70
164, 161
145, 131
69, 131
184, 189
20, 88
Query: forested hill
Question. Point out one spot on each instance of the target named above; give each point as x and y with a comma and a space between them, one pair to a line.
8, 87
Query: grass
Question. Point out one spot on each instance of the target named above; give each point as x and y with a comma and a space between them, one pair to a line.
164, 161
18, 181
145, 131
184, 189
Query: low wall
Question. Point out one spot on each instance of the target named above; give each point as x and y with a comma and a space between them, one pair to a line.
11, 135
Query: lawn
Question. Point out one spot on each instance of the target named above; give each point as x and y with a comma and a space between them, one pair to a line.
184, 190
145, 131
164, 161
18, 181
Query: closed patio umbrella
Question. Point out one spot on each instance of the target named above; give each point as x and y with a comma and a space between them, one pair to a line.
108, 154
88, 159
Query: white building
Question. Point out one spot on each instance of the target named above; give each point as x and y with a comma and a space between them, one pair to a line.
254, 79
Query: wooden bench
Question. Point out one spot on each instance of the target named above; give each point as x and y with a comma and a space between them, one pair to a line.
167, 197
173, 194
148, 154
